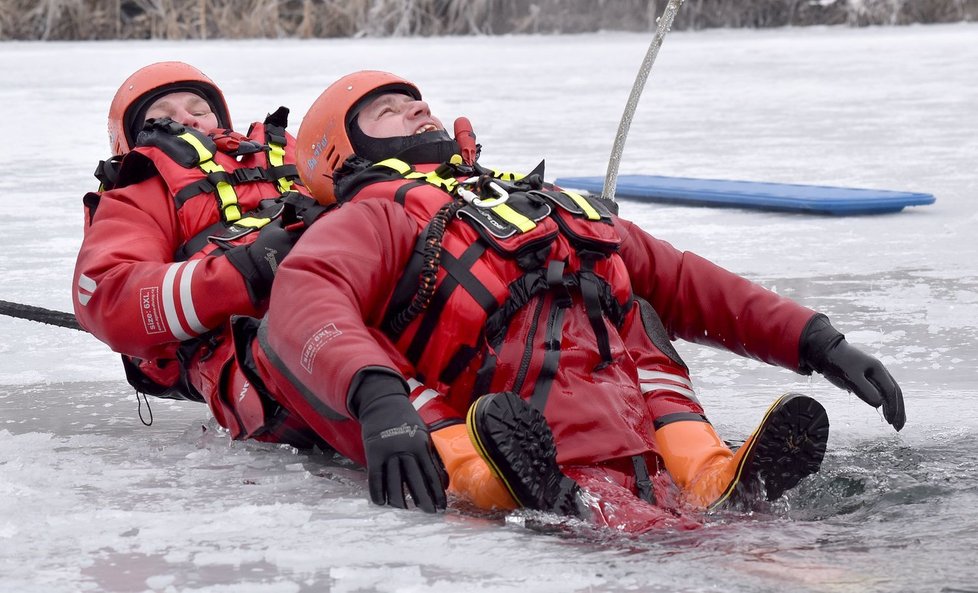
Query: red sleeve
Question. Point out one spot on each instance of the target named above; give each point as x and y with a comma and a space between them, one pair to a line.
129, 292
330, 295
701, 302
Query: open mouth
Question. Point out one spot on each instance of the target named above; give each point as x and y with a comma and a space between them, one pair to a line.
426, 128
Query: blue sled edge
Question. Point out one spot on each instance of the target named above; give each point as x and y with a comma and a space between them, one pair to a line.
814, 199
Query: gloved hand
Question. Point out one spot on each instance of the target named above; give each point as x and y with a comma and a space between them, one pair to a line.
826, 351
258, 261
398, 450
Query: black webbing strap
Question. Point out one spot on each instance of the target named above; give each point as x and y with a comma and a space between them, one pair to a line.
198, 241
201, 186
679, 417
643, 482
459, 362
592, 303
558, 288
233, 178
458, 273
290, 172
401, 194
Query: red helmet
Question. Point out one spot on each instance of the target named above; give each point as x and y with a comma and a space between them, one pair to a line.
148, 84
323, 142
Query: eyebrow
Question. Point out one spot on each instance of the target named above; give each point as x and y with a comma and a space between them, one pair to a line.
387, 99
167, 102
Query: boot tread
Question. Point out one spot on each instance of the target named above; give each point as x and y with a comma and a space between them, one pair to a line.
515, 440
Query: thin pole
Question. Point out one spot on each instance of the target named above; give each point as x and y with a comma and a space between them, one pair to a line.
665, 24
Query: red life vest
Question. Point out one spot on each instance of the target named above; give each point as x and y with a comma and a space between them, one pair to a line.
224, 186
524, 295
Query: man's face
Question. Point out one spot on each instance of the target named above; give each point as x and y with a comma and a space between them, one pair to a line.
395, 114
185, 108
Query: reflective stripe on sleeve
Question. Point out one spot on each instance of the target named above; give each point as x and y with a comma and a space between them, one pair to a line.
654, 380
169, 304
419, 399
187, 300
171, 291
86, 286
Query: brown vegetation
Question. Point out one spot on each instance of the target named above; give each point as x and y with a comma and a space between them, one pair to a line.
197, 19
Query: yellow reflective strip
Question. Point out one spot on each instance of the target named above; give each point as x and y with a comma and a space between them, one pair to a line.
396, 164
507, 175
203, 153
210, 167
448, 184
514, 218
276, 154
232, 213
589, 210
229, 202
276, 158
225, 192
252, 222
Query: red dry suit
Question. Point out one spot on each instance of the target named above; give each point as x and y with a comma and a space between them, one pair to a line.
150, 279
547, 302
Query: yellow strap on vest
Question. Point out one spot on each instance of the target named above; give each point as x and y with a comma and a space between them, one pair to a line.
251, 222
276, 158
405, 170
514, 218
396, 164
507, 175
228, 199
505, 212
202, 153
589, 210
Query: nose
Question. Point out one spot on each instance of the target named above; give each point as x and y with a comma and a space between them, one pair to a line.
418, 108
186, 118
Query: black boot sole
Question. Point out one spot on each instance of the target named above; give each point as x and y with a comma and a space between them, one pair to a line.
788, 445
516, 442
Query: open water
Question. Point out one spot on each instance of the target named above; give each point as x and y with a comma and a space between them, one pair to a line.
91, 500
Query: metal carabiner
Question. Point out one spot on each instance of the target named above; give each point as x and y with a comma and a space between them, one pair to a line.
472, 198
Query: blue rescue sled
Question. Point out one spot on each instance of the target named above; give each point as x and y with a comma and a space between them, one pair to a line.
813, 199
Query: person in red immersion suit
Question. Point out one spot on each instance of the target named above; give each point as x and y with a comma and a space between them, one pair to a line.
187, 229
536, 314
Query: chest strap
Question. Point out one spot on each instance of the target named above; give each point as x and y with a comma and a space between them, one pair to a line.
291, 206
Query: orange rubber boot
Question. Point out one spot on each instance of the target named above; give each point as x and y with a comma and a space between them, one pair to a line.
698, 461
788, 445
468, 474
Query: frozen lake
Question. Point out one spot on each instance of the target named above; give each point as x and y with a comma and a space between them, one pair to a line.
91, 500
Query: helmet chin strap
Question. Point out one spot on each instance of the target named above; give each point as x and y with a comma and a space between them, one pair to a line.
435, 150
428, 147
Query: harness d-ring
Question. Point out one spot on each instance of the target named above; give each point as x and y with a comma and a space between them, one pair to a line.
472, 198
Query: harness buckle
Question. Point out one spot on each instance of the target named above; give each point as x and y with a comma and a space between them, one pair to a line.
247, 175
473, 198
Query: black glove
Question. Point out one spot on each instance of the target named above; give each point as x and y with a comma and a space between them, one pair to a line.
398, 450
258, 261
826, 351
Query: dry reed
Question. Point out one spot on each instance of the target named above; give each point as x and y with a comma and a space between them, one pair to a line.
234, 19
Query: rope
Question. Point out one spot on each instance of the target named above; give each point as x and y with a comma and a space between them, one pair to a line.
40, 315
432, 261
665, 24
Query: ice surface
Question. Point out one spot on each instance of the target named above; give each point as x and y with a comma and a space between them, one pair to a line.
90, 500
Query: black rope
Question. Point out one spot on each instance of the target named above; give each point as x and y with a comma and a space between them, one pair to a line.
62, 319
40, 314
432, 261
140, 398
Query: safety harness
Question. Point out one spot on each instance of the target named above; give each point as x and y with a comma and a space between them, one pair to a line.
519, 218
192, 172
